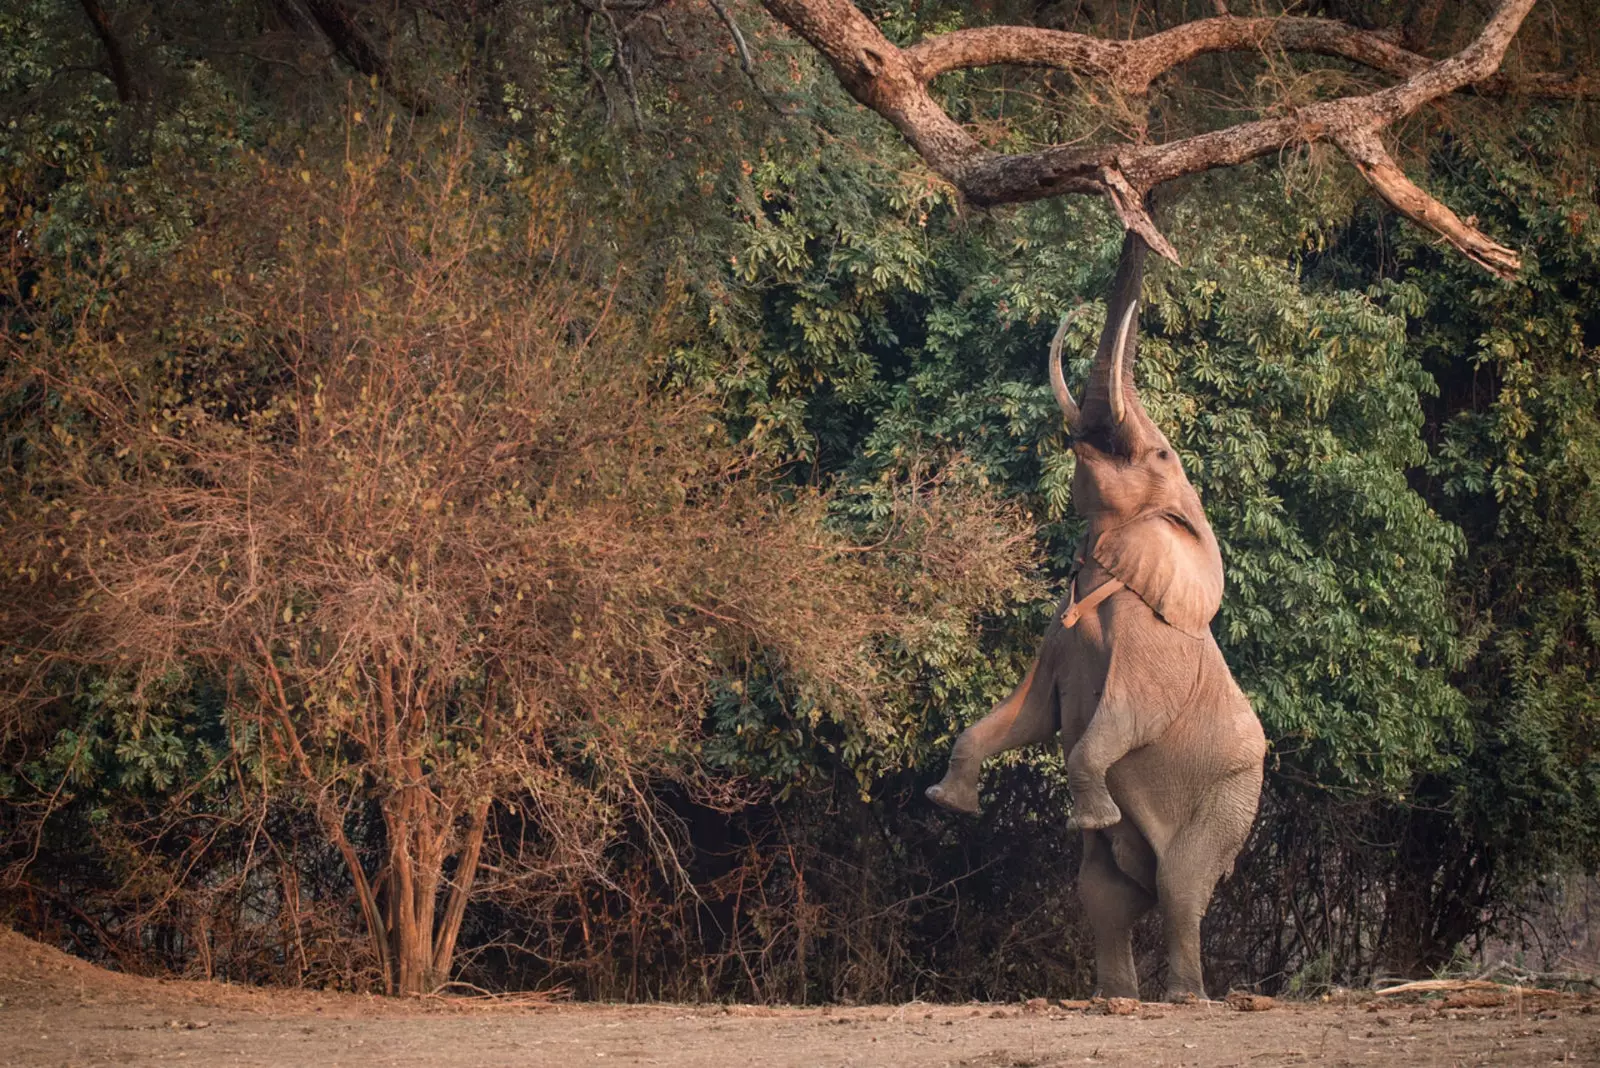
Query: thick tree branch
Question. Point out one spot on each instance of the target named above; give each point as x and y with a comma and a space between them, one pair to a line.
879, 75
1132, 65
128, 90
348, 39
894, 83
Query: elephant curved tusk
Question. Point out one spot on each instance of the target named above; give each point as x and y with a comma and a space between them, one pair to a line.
1119, 408
1058, 381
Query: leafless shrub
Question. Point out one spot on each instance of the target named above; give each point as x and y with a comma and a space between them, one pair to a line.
368, 452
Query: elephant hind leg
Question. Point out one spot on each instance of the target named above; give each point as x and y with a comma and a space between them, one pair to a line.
1113, 902
1027, 717
1192, 864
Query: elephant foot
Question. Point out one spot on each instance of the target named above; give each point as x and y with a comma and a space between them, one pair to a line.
1094, 813
956, 796
1118, 991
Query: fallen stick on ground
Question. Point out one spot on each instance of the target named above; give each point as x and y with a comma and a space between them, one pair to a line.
1426, 986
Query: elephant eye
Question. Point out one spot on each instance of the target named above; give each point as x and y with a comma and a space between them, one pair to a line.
1163, 454
1183, 521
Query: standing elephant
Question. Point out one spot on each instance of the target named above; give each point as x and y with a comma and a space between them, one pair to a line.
1164, 753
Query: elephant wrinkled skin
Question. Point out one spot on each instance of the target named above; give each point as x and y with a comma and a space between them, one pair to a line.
1164, 752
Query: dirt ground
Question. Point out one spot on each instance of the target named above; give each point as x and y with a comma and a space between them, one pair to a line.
56, 1010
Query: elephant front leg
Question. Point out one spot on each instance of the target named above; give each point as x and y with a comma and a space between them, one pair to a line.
1092, 806
1109, 737
1027, 717
1133, 708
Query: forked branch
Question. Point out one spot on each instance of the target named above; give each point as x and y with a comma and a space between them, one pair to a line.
894, 82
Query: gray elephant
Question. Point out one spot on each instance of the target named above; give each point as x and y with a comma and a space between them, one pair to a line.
1164, 753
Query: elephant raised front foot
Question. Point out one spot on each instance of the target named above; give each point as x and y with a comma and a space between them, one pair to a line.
1094, 811
954, 795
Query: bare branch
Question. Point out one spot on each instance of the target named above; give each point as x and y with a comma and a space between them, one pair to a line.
738, 36
1366, 151
879, 75
128, 89
619, 54
894, 83
1131, 66
747, 64
1129, 205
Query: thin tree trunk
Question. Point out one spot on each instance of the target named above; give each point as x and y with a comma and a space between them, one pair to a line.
376, 929
332, 819
444, 944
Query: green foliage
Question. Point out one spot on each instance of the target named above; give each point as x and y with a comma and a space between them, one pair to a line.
1515, 462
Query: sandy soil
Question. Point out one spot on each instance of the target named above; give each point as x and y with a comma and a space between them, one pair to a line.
56, 1010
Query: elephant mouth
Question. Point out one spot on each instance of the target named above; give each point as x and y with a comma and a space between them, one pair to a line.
1109, 440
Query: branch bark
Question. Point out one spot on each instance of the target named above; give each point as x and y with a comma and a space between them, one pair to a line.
1132, 66
894, 83
128, 88
1366, 151
353, 45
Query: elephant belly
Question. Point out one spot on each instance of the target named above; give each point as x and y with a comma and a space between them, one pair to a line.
1160, 787
1199, 734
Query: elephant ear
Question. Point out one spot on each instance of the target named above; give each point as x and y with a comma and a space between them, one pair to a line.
1172, 562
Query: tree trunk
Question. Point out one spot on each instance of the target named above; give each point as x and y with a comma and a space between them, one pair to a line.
415, 863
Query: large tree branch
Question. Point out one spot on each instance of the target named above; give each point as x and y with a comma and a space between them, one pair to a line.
1131, 66
128, 89
350, 41
1366, 151
894, 83
879, 75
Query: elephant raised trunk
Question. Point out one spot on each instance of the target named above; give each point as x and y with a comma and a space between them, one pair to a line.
1111, 417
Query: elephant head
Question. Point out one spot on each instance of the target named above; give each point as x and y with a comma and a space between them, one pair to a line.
1146, 526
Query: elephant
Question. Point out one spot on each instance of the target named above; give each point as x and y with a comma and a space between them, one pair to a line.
1165, 755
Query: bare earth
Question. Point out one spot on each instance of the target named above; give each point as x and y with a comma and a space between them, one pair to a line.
56, 1010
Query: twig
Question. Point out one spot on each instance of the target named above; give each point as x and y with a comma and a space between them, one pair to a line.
746, 63
738, 37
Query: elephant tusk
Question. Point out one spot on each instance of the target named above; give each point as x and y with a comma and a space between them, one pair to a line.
1058, 381
1119, 408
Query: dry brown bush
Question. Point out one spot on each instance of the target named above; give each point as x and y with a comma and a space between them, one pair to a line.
370, 448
